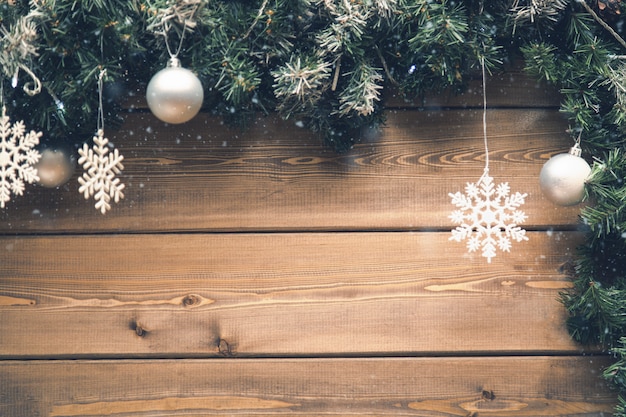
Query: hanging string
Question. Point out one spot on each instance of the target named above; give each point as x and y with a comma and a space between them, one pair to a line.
2, 98
577, 140
182, 35
180, 43
482, 63
100, 100
256, 19
484, 80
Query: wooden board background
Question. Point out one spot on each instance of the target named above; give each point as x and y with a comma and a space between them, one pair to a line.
259, 273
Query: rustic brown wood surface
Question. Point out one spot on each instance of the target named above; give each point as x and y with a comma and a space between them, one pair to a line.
259, 273
498, 386
276, 177
280, 294
510, 88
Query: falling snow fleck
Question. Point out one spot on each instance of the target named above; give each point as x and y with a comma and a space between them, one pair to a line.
101, 167
17, 157
488, 216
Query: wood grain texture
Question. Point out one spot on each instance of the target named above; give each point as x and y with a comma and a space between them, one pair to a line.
505, 386
509, 88
279, 294
276, 177
258, 273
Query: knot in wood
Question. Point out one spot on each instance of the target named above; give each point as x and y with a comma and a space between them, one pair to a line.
224, 348
138, 329
191, 300
488, 395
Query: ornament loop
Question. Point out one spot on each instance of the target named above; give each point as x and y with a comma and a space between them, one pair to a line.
33, 87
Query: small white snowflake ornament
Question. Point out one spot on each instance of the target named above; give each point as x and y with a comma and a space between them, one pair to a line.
488, 216
17, 158
99, 180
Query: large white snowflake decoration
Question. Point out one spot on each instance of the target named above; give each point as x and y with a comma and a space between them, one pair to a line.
101, 166
488, 216
17, 157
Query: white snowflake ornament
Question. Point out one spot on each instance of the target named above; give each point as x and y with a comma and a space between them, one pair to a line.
99, 180
17, 158
488, 216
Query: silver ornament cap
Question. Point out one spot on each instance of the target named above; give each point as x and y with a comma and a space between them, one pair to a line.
562, 178
175, 94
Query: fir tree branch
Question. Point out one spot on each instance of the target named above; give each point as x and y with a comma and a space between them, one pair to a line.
602, 23
386, 67
337, 71
18, 49
386, 8
300, 83
181, 11
537, 9
362, 91
256, 20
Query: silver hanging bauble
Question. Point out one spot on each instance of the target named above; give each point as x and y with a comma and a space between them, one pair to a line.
175, 94
55, 167
562, 178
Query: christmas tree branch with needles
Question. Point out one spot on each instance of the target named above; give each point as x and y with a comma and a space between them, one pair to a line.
245, 53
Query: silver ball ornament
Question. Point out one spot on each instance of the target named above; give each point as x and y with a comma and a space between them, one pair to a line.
174, 94
562, 178
55, 167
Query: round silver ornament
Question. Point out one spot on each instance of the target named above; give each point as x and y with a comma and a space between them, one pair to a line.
55, 167
562, 178
174, 94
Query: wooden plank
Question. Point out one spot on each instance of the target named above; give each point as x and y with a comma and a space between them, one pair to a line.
300, 294
506, 386
509, 88
275, 177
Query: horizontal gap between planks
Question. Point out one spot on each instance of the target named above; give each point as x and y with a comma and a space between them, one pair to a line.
274, 231
382, 355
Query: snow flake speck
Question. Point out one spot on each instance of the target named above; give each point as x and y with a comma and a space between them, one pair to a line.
488, 216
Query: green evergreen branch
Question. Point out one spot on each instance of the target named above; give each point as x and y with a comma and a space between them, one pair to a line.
362, 91
540, 62
536, 10
580, 29
607, 188
602, 23
162, 15
17, 43
300, 84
